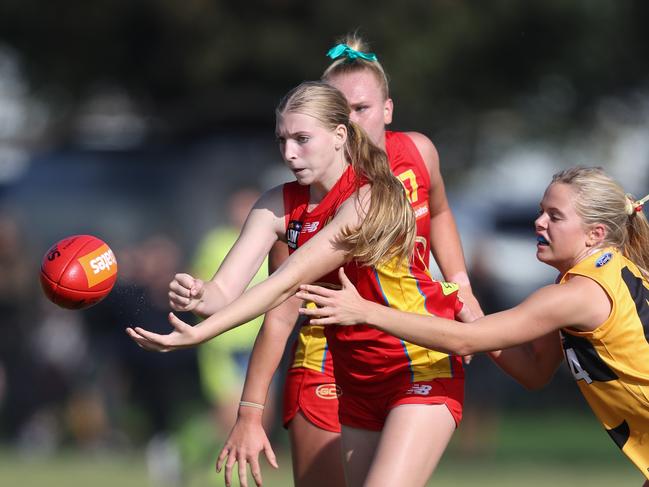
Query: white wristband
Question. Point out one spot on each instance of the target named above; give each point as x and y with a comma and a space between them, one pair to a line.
251, 404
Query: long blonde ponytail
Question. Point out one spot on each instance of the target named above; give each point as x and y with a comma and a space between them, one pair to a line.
388, 229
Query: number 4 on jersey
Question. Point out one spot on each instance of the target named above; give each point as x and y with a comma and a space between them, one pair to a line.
575, 367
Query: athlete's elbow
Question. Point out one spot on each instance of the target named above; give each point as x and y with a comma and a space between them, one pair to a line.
535, 380
533, 384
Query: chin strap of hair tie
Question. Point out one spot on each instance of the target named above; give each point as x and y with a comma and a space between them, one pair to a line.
343, 50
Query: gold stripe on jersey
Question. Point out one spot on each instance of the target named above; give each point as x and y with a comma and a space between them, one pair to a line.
611, 363
311, 351
401, 291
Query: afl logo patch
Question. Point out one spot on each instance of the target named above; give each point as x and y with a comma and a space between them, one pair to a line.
604, 259
293, 232
328, 391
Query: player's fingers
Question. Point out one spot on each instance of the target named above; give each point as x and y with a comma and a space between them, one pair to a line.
177, 323
222, 456
135, 338
140, 340
255, 470
313, 312
316, 290
178, 302
179, 288
270, 455
197, 288
344, 280
228, 468
243, 476
315, 298
184, 279
152, 341
329, 320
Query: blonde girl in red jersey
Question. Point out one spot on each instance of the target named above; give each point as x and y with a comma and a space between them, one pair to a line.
376, 231
597, 237
311, 415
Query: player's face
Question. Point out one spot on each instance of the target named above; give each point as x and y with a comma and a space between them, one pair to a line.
314, 153
562, 238
369, 109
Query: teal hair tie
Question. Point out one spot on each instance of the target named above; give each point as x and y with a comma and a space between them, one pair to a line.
343, 50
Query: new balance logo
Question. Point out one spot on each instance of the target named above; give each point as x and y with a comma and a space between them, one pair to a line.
310, 227
419, 389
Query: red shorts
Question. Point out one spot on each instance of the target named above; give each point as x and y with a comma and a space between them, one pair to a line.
369, 410
313, 393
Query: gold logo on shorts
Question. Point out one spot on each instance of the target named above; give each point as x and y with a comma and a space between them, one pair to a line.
328, 391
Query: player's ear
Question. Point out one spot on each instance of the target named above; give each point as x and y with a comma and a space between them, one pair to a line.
340, 134
388, 109
596, 235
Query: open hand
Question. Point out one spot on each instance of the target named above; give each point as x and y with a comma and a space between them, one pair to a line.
334, 307
247, 439
182, 336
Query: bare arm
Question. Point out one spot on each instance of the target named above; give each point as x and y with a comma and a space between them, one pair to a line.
261, 229
302, 266
532, 364
444, 237
580, 303
248, 438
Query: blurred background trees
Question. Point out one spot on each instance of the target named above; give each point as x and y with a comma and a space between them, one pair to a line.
136, 120
198, 65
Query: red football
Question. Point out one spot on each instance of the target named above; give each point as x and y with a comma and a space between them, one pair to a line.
78, 271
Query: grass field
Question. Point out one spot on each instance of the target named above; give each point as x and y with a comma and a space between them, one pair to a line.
551, 450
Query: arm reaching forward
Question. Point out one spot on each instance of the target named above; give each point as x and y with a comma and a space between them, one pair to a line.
319, 256
580, 303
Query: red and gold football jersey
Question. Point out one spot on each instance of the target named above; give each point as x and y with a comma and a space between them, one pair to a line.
408, 288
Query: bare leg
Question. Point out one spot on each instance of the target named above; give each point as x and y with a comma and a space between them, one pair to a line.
412, 442
316, 455
359, 447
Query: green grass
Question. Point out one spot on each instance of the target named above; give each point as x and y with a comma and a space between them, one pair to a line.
556, 450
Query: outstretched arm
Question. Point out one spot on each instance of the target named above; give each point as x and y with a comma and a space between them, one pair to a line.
264, 224
580, 303
532, 364
319, 256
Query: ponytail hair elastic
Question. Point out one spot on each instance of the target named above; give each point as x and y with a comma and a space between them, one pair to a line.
633, 207
343, 50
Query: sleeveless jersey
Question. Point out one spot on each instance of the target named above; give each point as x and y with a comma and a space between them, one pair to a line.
364, 354
611, 363
408, 166
408, 289
311, 349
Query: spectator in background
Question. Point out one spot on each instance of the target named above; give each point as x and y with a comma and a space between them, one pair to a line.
18, 293
223, 362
